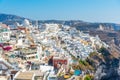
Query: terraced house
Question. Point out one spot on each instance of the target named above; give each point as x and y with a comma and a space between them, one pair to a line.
4, 33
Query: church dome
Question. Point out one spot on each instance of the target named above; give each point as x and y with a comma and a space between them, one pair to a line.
26, 23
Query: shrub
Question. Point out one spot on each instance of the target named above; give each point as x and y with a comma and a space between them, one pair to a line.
87, 77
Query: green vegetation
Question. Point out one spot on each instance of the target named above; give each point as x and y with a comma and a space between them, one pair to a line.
83, 64
93, 54
64, 48
88, 77
104, 51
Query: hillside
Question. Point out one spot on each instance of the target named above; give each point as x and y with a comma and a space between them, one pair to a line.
103, 65
79, 24
10, 19
110, 30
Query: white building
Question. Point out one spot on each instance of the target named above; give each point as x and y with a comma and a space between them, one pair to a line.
5, 67
4, 33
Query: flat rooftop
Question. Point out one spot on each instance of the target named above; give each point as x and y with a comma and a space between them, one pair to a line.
25, 75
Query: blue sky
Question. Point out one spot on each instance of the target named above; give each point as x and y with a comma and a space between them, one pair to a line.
86, 10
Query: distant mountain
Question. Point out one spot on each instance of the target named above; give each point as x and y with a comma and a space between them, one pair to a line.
80, 25
10, 19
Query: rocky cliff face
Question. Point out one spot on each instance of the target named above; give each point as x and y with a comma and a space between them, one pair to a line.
108, 66
109, 71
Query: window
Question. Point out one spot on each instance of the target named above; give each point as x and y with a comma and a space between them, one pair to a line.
5, 34
65, 63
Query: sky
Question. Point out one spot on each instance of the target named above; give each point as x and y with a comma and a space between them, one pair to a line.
86, 10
